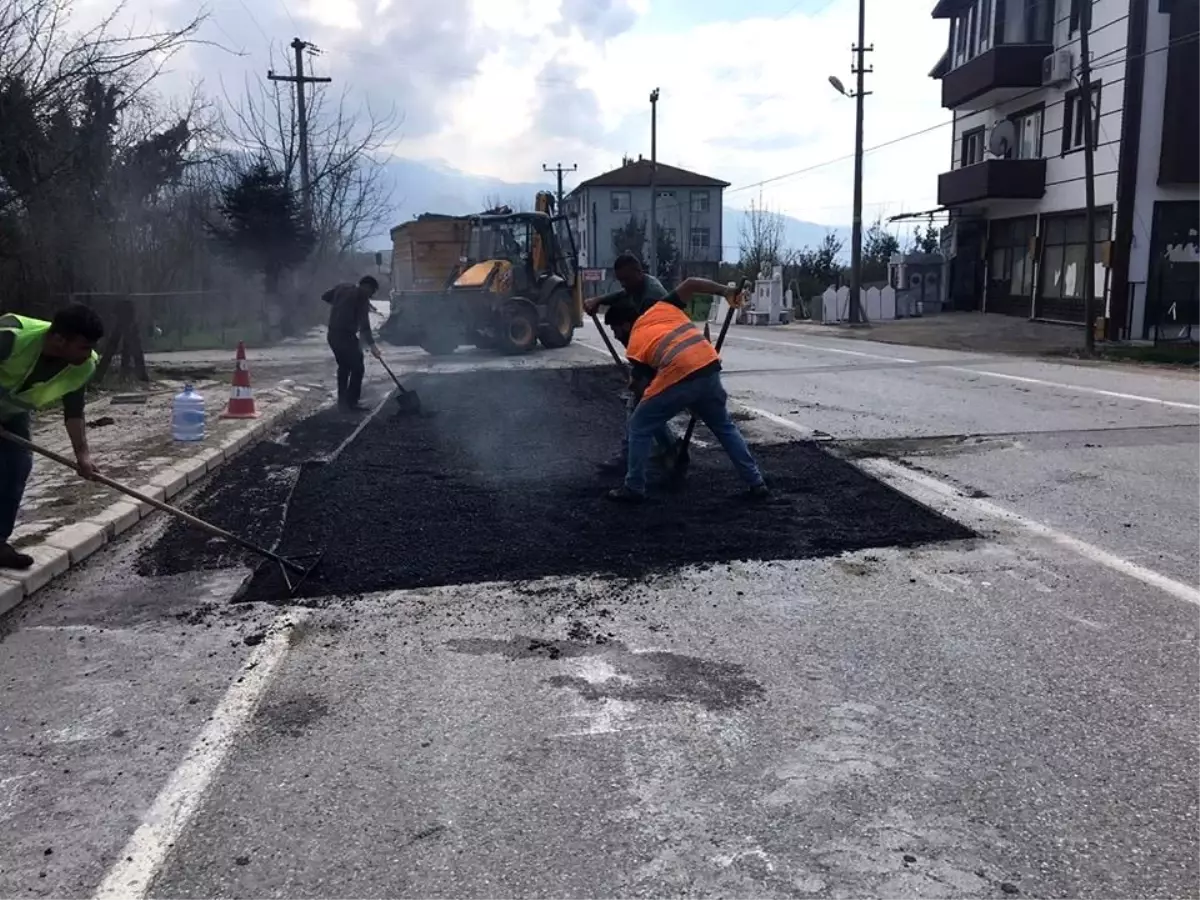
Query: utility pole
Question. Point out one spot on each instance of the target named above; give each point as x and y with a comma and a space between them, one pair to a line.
559, 170
300, 80
860, 70
1089, 179
653, 230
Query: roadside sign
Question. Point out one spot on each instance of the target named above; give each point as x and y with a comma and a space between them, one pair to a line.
593, 274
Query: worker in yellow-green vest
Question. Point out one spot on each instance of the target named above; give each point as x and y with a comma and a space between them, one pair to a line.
41, 363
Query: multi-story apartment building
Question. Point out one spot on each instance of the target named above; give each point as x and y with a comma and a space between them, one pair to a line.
688, 210
1015, 185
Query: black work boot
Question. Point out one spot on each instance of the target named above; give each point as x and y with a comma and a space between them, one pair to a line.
614, 465
625, 495
11, 558
759, 492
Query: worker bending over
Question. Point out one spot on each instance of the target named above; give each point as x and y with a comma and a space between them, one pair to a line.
639, 292
41, 363
349, 332
675, 368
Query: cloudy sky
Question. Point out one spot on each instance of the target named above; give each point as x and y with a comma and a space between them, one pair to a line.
499, 87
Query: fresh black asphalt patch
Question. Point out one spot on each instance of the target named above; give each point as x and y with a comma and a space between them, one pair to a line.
499, 484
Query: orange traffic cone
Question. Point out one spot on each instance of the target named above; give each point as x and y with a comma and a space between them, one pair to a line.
241, 395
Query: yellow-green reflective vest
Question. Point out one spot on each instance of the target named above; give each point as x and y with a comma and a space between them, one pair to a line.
28, 337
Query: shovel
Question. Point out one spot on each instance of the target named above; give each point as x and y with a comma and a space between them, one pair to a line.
294, 572
682, 460
408, 401
609, 344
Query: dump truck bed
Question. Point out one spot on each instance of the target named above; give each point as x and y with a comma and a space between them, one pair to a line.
428, 251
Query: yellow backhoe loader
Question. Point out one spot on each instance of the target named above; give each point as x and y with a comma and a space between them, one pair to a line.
504, 280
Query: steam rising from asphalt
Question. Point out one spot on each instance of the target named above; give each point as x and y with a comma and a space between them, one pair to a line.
517, 441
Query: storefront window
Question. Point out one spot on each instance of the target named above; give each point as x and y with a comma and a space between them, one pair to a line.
1010, 269
1063, 257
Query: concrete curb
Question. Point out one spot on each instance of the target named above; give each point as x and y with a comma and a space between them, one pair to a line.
67, 547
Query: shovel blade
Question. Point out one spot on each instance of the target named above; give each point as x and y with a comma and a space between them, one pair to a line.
408, 403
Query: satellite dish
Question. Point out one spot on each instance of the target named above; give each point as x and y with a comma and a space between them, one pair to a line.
1004, 136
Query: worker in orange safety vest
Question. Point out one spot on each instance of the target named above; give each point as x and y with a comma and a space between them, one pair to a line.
675, 369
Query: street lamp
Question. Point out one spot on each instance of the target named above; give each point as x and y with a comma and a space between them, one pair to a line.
654, 183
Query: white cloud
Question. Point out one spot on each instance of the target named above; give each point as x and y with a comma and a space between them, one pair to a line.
498, 87
741, 100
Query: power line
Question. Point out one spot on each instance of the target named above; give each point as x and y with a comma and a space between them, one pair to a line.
1009, 102
905, 137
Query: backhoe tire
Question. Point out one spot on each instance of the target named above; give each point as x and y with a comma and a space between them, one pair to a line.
558, 330
440, 341
517, 328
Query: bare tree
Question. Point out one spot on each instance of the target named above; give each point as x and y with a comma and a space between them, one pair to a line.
45, 67
761, 242
493, 203
348, 153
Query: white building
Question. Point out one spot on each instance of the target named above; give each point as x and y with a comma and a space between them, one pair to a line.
688, 210
1016, 190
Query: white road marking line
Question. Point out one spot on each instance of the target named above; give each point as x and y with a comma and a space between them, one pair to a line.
932, 492
147, 850
599, 350
780, 420
742, 337
1178, 404
1139, 398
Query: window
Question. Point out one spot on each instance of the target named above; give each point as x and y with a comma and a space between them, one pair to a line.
972, 148
670, 235
1064, 251
700, 240
620, 201
1027, 21
1010, 265
1073, 18
700, 202
961, 40
1074, 118
1029, 134
972, 32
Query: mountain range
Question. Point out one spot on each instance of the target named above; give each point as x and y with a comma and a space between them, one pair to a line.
419, 186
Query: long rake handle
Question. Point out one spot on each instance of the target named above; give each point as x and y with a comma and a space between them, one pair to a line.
608, 343
388, 369
157, 504
687, 435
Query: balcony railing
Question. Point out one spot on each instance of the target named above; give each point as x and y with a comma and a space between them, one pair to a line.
1003, 67
993, 179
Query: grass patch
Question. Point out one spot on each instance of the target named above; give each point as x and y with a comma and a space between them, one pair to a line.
1159, 354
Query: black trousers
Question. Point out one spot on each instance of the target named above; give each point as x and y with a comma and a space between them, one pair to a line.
15, 465
350, 367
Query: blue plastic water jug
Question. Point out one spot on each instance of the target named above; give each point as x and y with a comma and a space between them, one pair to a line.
187, 415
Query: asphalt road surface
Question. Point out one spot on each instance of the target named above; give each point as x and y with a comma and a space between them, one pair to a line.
1009, 715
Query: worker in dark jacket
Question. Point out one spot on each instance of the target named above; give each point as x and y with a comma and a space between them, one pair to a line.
41, 363
637, 287
675, 369
639, 292
349, 332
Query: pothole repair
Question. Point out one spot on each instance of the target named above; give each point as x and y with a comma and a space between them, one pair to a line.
501, 485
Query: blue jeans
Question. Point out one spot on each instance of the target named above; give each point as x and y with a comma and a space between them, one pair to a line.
705, 397
15, 465
663, 436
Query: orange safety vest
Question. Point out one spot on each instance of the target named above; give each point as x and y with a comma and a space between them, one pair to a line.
665, 339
